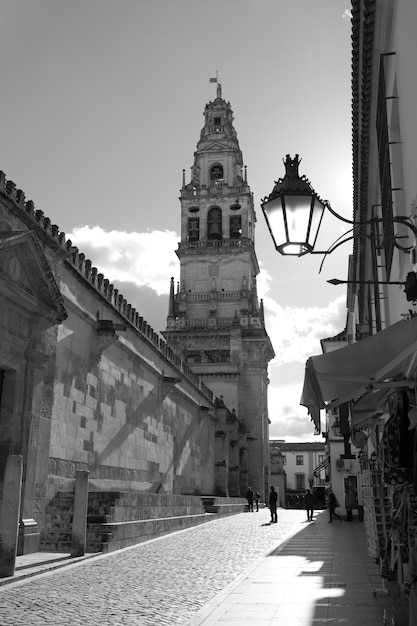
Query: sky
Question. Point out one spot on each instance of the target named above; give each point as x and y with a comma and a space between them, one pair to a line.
101, 109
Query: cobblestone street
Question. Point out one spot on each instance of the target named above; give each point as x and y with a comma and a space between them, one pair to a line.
161, 582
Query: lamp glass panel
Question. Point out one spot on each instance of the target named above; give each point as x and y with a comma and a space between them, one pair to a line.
293, 249
298, 216
316, 217
275, 217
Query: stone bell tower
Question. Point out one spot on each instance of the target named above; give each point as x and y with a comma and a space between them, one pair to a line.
215, 321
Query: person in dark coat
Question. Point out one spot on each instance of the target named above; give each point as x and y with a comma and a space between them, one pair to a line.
350, 504
249, 498
309, 501
332, 504
273, 499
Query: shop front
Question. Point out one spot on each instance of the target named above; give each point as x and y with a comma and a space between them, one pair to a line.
376, 378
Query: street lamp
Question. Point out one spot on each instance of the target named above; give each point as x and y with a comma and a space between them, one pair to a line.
293, 212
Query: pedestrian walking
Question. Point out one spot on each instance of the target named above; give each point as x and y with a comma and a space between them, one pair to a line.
257, 497
273, 498
350, 504
332, 505
249, 498
309, 502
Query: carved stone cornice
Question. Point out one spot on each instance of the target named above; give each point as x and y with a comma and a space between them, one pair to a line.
27, 275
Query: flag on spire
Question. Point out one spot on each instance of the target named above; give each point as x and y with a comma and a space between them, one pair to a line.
219, 87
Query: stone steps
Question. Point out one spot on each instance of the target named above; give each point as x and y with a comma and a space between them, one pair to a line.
125, 534
223, 505
119, 519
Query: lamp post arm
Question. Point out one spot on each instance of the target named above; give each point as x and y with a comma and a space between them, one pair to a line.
340, 217
401, 219
332, 248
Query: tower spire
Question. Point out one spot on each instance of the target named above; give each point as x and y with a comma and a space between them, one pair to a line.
171, 301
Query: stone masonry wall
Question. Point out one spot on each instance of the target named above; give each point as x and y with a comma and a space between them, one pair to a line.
117, 400
121, 411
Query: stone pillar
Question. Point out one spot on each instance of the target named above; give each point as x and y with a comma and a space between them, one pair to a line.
79, 520
243, 459
9, 515
232, 426
221, 451
29, 535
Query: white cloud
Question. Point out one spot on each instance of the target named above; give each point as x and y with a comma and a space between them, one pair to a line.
295, 332
289, 420
145, 259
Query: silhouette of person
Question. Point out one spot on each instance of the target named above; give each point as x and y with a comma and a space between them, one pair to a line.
350, 504
249, 498
309, 501
273, 498
332, 504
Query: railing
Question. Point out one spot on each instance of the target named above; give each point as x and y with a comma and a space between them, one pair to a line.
218, 295
215, 243
218, 188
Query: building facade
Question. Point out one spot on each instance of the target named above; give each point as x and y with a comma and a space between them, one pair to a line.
215, 321
294, 469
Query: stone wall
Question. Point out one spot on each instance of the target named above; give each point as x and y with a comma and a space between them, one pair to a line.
88, 384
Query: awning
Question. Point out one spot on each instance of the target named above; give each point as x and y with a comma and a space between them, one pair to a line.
321, 466
383, 361
370, 405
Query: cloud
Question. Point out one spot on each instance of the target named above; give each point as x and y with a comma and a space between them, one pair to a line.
347, 15
145, 259
289, 420
295, 332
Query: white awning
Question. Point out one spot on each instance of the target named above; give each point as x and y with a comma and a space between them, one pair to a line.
383, 362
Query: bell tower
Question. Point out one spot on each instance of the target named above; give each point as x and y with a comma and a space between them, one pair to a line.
215, 321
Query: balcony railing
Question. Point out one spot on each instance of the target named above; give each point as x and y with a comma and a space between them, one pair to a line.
215, 243
218, 188
218, 295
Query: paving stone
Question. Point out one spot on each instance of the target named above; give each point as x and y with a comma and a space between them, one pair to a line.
160, 582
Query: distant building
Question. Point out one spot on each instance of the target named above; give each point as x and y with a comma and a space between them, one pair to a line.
277, 470
294, 465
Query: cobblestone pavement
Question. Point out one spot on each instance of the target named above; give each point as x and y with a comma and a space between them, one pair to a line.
163, 582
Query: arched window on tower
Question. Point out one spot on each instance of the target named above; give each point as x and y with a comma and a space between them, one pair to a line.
235, 227
193, 229
216, 173
214, 224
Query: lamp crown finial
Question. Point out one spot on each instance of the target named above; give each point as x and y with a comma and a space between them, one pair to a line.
291, 166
